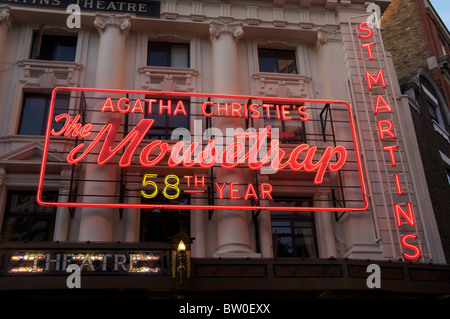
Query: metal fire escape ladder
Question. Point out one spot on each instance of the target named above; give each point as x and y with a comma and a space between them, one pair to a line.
324, 115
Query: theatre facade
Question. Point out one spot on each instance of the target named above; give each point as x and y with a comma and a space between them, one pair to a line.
209, 149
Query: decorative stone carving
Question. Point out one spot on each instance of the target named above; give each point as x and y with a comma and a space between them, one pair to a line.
218, 28
4, 16
328, 35
122, 22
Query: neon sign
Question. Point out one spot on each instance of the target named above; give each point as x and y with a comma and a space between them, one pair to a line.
169, 168
386, 133
137, 262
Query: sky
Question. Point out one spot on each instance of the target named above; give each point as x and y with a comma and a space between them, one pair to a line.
442, 7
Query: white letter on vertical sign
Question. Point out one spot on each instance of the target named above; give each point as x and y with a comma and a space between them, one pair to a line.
74, 20
73, 280
374, 18
373, 281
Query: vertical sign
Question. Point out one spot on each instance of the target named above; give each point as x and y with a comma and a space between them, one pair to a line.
375, 86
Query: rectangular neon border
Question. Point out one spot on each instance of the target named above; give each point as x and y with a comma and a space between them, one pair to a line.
206, 207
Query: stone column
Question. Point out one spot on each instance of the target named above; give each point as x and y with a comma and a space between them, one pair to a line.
3, 197
5, 23
97, 224
233, 225
132, 215
62, 220
324, 225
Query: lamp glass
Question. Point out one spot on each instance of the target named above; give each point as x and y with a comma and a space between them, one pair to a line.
181, 246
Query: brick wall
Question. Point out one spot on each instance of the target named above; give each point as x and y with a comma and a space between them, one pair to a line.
430, 143
404, 37
412, 37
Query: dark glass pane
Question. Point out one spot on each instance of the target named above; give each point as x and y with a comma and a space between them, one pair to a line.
47, 48
28, 228
34, 114
65, 49
168, 54
25, 220
279, 61
160, 224
285, 248
286, 62
179, 56
178, 121
267, 61
158, 129
61, 106
294, 131
433, 110
39, 229
15, 229
25, 202
57, 48
158, 54
164, 124
293, 232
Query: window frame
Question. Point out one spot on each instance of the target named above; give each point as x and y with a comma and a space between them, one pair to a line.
164, 217
292, 218
433, 106
297, 139
167, 129
37, 45
50, 216
47, 100
169, 47
277, 53
446, 161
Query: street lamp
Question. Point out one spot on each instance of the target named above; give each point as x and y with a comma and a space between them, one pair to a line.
181, 268
181, 258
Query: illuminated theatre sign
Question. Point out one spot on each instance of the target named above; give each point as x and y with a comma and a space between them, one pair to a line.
130, 138
117, 262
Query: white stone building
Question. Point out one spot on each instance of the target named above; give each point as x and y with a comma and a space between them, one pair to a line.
297, 49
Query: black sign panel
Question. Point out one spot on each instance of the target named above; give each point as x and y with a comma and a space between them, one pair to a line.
140, 8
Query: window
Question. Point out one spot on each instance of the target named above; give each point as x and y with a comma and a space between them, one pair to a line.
293, 232
446, 160
442, 42
53, 47
290, 132
277, 61
174, 55
25, 220
433, 104
158, 225
35, 107
447, 168
433, 108
164, 124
